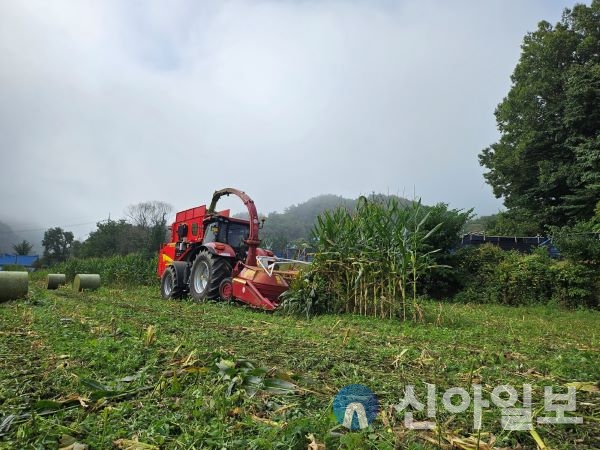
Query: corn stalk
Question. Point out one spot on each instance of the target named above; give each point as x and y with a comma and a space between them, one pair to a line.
369, 259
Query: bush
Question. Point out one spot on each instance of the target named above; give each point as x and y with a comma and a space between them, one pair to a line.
14, 268
118, 270
445, 280
522, 279
577, 245
472, 267
492, 275
580, 242
576, 284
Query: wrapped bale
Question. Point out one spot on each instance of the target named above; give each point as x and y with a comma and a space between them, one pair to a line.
13, 285
55, 280
85, 281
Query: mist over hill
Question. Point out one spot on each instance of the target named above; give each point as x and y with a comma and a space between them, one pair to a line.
295, 223
281, 229
13, 233
7, 238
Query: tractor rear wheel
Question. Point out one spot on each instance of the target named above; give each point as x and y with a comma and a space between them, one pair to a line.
168, 284
207, 273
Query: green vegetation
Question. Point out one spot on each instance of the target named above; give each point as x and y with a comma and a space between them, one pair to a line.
369, 261
110, 238
143, 234
22, 248
117, 270
546, 164
14, 268
57, 245
505, 223
492, 275
509, 223
118, 367
580, 242
123, 365
294, 226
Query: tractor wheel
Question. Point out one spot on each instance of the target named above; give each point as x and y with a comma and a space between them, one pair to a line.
207, 273
168, 284
226, 289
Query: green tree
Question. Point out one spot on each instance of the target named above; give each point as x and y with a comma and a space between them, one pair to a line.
504, 223
151, 219
112, 238
546, 164
22, 248
580, 242
57, 244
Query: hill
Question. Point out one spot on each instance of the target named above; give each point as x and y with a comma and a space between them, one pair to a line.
294, 225
296, 222
8, 237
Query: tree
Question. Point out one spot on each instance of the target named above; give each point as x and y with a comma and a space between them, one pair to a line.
503, 224
148, 214
57, 244
22, 248
580, 242
546, 164
151, 219
112, 238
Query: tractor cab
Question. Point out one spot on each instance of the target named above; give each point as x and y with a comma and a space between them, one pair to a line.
225, 230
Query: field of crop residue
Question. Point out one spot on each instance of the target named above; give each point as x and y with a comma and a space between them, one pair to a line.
124, 369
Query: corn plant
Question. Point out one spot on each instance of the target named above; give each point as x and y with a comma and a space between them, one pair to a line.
367, 260
115, 270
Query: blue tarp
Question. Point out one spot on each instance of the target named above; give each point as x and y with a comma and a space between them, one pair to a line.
522, 244
21, 260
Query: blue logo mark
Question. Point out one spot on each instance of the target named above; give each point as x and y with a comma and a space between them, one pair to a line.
355, 406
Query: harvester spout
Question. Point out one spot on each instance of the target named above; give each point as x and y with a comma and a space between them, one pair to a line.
252, 241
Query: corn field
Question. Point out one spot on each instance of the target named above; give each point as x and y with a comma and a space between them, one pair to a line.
119, 270
368, 261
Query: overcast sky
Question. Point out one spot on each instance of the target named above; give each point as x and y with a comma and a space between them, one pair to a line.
104, 103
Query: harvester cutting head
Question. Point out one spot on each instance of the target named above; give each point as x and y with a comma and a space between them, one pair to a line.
261, 285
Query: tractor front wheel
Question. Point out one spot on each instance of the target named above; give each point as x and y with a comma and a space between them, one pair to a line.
226, 289
168, 284
207, 273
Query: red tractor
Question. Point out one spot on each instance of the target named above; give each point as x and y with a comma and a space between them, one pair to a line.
212, 255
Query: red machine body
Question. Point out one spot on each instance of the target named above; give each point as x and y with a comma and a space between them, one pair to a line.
211, 254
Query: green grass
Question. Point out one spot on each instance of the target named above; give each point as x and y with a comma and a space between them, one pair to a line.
125, 365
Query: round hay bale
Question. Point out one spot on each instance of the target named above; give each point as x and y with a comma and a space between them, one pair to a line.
55, 280
84, 281
13, 285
